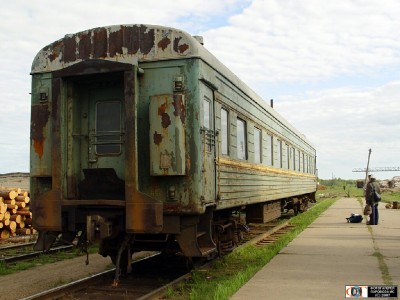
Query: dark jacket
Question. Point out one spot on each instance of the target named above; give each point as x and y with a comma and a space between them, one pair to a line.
369, 196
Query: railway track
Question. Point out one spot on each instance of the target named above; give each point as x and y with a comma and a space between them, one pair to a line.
24, 251
148, 275
151, 276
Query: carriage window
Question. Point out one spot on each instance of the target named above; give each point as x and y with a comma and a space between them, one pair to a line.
224, 132
288, 156
312, 164
279, 154
206, 112
257, 145
298, 160
108, 127
294, 159
270, 152
241, 139
307, 163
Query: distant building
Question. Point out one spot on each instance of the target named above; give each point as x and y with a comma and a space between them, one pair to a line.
360, 184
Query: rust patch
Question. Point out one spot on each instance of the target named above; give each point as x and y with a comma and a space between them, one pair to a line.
179, 106
115, 43
163, 44
100, 43
131, 43
162, 108
157, 138
165, 120
85, 46
55, 51
69, 51
39, 118
180, 48
146, 39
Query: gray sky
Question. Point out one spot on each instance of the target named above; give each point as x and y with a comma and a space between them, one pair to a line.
332, 67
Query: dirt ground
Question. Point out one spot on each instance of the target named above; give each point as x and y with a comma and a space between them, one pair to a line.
29, 282
15, 180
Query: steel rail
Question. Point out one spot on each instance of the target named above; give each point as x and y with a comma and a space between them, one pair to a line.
32, 254
269, 231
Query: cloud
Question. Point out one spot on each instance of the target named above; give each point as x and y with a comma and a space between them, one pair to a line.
344, 123
331, 66
275, 41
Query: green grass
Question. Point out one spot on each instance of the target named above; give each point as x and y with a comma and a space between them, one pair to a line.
347, 188
230, 273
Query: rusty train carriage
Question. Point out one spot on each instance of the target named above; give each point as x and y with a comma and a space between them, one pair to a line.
143, 138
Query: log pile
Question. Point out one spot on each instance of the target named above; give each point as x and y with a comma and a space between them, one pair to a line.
15, 217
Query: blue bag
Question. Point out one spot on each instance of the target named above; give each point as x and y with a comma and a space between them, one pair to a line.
355, 218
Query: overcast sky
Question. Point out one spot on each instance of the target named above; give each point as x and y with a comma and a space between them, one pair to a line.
332, 67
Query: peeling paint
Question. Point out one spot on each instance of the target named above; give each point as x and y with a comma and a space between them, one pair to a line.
180, 48
167, 133
163, 44
122, 43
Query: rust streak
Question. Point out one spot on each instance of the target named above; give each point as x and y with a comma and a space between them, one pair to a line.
69, 51
100, 43
40, 117
38, 146
115, 43
85, 46
180, 109
162, 108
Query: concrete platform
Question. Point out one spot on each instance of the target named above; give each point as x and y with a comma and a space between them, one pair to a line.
329, 255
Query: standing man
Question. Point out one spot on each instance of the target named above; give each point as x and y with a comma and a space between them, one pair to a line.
372, 186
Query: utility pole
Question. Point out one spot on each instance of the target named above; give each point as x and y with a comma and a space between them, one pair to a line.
366, 171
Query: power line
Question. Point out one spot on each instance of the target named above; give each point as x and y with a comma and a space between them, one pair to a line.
378, 169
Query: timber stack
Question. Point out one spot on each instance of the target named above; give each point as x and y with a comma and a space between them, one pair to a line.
15, 217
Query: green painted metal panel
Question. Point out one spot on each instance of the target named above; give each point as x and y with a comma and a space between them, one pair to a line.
167, 135
41, 139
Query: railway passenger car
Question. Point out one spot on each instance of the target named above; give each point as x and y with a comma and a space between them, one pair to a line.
141, 138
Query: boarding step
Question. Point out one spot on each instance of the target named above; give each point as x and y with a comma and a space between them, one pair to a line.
200, 234
205, 251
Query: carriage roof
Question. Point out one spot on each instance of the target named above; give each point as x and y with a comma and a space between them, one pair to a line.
134, 43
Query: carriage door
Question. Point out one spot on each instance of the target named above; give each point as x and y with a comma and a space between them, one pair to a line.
208, 143
102, 151
105, 128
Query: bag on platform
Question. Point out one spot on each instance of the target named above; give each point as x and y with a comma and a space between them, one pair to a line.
355, 218
367, 210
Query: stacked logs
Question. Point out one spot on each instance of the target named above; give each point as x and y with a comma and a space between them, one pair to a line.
15, 217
